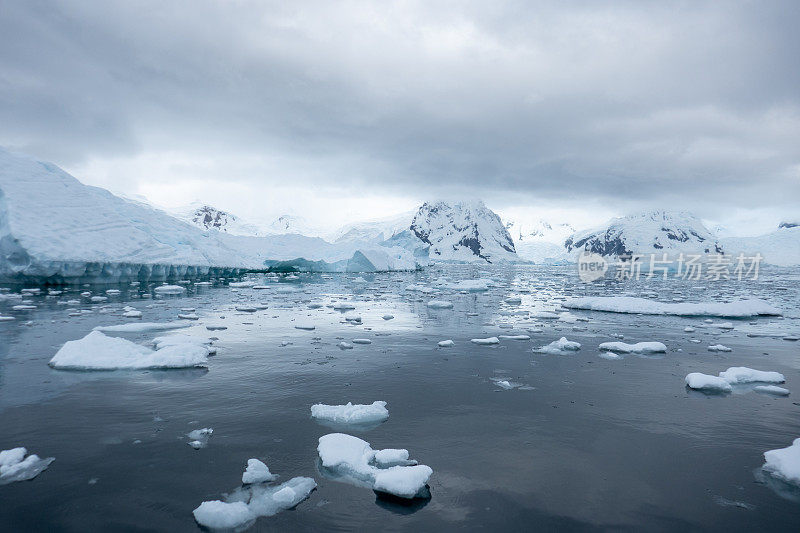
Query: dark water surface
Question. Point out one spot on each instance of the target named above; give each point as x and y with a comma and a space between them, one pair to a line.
584, 444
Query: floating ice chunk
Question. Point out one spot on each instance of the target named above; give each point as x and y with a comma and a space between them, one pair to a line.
471, 285
559, 347
169, 289
440, 304
266, 500
352, 459
446, 344
486, 342
639, 347
772, 389
352, 318
246, 308
257, 472
217, 514
420, 288
784, 463
14, 466
742, 374
513, 300
689, 329
362, 341
724, 325
307, 327
141, 327
6, 318
345, 346
719, 348
98, 352
351, 414
403, 481
392, 457
344, 306
515, 337
544, 314
242, 284
611, 356
199, 437
628, 304
705, 382
132, 313
388, 317
188, 316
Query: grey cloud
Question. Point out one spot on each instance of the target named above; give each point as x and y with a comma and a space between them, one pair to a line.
694, 103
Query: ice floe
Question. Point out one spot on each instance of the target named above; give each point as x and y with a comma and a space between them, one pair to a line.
719, 348
705, 382
629, 304
14, 466
471, 285
639, 347
440, 304
198, 438
257, 472
784, 463
742, 374
142, 327
486, 342
351, 416
169, 290
446, 344
253, 500
97, 351
559, 347
350, 459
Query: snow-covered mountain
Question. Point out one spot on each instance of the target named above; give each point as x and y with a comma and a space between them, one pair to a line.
541, 230
647, 233
540, 241
374, 230
292, 224
208, 217
54, 227
780, 247
463, 231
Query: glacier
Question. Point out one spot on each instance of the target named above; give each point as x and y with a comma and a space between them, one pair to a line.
55, 229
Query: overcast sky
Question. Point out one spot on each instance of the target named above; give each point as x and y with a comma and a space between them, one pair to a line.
350, 110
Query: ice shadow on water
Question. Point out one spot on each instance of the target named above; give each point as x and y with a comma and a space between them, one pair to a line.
341, 427
401, 506
390, 502
706, 393
783, 489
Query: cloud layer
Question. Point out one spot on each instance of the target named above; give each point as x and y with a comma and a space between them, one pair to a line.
694, 104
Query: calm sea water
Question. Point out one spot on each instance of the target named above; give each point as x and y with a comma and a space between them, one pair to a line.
583, 443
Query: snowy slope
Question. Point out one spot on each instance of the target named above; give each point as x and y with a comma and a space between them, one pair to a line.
780, 247
540, 241
51, 225
374, 230
291, 224
652, 232
463, 231
208, 217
